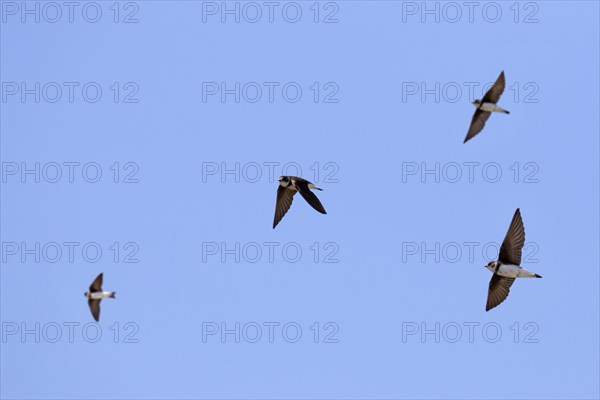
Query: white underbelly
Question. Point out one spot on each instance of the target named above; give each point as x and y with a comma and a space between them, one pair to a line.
514, 271
491, 107
509, 270
100, 295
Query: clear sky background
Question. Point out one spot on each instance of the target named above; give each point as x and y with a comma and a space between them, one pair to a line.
400, 239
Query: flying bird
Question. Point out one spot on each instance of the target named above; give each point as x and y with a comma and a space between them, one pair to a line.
486, 106
288, 186
507, 268
95, 296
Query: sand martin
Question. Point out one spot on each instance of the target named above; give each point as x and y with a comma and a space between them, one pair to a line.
507, 268
288, 186
486, 106
95, 296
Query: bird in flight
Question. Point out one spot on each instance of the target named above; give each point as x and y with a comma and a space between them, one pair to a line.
288, 186
95, 295
486, 106
507, 268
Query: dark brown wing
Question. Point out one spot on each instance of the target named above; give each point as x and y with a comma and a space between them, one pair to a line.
309, 196
477, 123
510, 251
498, 291
493, 95
96, 286
284, 201
94, 308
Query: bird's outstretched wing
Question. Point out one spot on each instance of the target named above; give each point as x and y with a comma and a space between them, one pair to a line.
477, 123
94, 308
284, 201
309, 196
510, 251
498, 291
96, 286
493, 95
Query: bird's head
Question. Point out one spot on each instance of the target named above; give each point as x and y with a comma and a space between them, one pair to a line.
492, 265
284, 181
476, 102
86, 294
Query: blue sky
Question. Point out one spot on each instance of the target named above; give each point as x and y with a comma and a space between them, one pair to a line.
153, 144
